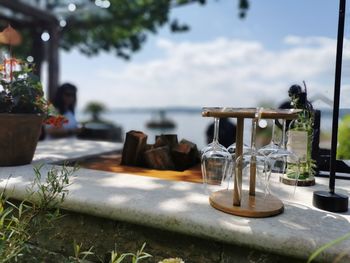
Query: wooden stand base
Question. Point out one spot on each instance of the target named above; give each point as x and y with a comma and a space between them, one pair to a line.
289, 181
260, 205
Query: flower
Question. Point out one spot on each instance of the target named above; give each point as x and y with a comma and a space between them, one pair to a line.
21, 92
56, 121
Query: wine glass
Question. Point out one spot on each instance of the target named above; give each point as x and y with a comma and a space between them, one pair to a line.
232, 149
279, 157
273, 146
216, 164
215, 141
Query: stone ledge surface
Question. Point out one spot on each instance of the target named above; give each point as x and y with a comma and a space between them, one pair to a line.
183, 207
50, 151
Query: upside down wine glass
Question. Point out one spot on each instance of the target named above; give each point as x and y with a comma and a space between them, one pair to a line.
273, 146
278, 160
215, 141
216, 163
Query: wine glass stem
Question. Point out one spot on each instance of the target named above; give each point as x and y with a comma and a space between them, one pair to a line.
253, 135
273, 135
216, 130
284, 134
252, 178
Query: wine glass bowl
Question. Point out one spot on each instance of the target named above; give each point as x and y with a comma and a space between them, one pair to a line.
273, 145
279, 165
216, 164
280, 158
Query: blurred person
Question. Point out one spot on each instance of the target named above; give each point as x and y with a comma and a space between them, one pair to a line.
65, 101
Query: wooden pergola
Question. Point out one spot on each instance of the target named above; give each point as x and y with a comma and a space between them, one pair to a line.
28, 16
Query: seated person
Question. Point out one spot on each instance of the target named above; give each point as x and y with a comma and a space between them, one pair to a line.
227, 132
65, 101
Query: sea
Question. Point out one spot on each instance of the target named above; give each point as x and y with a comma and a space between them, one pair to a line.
190, 124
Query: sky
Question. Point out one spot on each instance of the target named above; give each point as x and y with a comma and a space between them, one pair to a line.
222, 60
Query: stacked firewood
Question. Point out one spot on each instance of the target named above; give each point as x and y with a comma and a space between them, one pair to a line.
165, 154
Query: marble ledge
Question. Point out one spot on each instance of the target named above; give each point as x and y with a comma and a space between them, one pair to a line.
183, 207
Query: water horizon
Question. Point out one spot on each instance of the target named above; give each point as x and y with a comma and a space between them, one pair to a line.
190, 124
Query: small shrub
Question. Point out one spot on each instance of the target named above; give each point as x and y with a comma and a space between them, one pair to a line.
19, 223
343, 151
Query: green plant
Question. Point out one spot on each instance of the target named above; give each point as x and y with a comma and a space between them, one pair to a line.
304, 123
81, 256
315, 254
140, 254
95, 109
135, 257
53, 190
19, 223
22, 90
343, 151
13, 229
94, 31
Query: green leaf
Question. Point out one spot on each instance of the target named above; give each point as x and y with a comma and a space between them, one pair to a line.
328, 245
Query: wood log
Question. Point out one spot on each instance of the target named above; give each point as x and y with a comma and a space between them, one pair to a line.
134, 146
149, 147
166, 140
194, 149
159, 158
142, 161
185, 155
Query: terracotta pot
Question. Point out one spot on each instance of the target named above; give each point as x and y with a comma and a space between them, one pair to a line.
19, 134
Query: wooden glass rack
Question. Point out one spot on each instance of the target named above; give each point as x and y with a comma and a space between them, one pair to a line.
246, 203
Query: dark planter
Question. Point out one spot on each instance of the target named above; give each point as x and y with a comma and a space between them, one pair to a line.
19, 134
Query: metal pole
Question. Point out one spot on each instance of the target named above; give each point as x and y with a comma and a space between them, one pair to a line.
337, 84
330, 200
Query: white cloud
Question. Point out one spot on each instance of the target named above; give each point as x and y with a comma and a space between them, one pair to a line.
222, 72
311, 40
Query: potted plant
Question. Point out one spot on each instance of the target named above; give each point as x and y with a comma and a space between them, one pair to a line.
22, 112
22, 106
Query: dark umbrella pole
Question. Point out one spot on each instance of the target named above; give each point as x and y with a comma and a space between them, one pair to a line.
330, 200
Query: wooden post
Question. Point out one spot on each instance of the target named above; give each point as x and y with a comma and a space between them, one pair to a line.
53, 61
252, 172
237, 190
252, 178
30, 10
37, 50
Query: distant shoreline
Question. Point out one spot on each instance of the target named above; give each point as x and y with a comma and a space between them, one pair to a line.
195, 110
155, 109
